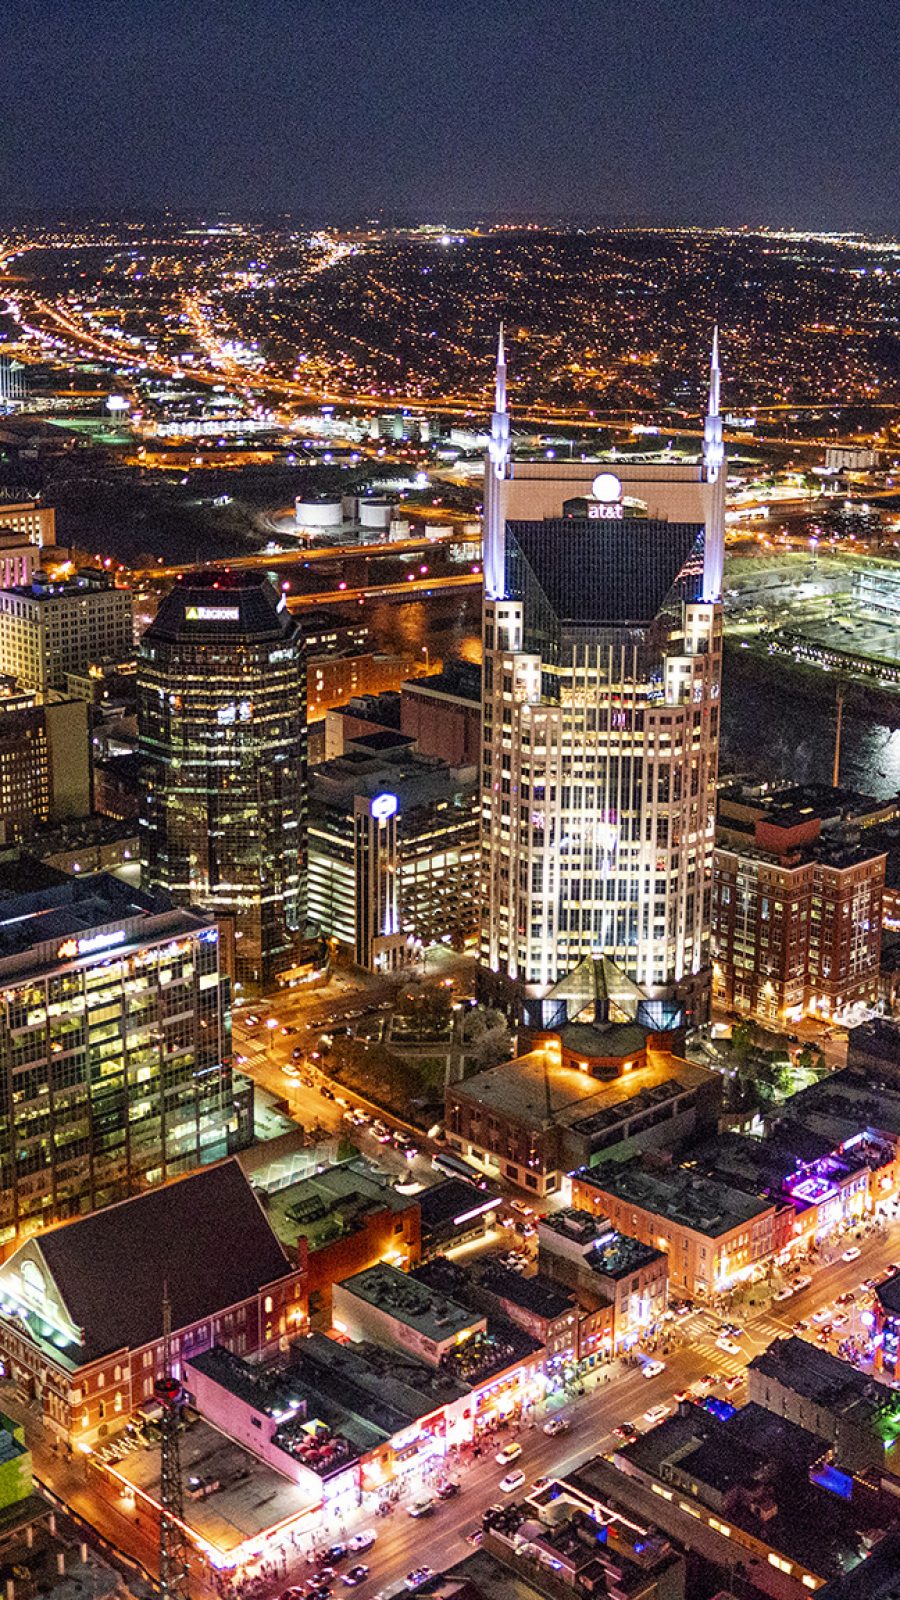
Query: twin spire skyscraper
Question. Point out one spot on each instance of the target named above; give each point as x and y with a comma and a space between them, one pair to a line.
600, 715
498, 465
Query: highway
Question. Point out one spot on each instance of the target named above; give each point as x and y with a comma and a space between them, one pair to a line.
382, 591
305, 555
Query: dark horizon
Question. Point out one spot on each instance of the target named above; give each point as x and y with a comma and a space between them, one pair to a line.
706, 114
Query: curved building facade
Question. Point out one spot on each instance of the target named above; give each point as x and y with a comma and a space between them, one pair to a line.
222, 736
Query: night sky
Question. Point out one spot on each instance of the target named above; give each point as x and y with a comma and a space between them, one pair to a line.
777, 111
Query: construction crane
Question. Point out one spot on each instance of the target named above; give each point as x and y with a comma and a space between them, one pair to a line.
173, 1550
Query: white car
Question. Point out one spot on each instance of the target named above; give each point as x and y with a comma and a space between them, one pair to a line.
656, 1414
802, 1283
556, 1425
824, 1314
729, 1345
652, 1369
362, 1541
852, 1254
510, 1452
420, 1508
513, 1480
785, 1293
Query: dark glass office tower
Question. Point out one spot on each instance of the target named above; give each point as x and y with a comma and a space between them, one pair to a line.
222, 729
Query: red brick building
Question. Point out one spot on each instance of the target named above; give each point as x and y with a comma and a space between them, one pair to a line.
796, 919
81, 1325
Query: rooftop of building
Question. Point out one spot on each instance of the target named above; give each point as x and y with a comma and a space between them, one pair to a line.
387, 1388
109, 1269
497, 1346
843, 1106
330, 1205
880, 1037
409, 1300
72, 908
453, 1200
875, 1578
218, 605
537, 1090
539, 1294
250, 1498
775, 1166
45, 587
765, 1468
457, 680
614, 1041
582, 1227
680, 1196
311, 1429
809, 1370
802, 802
392, 765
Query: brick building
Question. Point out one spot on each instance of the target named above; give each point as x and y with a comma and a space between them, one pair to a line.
796, 913
712, 1234
81, 1326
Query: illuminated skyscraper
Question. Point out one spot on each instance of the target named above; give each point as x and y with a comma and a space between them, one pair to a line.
602, 670
222, 729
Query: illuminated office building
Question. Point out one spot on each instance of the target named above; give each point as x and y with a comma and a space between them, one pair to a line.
115, 1050
222, 739
602, 668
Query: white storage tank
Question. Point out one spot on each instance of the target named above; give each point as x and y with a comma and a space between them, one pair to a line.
375, 513
318, 513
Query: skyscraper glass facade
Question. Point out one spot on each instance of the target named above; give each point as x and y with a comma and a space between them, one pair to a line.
222, 730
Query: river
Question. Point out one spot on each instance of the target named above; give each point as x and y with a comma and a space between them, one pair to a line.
776, 723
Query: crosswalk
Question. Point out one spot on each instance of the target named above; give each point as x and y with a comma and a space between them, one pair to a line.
701, 1334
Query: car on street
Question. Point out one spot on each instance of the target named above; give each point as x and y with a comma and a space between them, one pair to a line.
337, 1552
652, 1369
362, 1541
356, 1575
510, 1452
730, 1346
852, 1254
803, 1282
626, 1431
656, 1414
448, 1490
416, 1578
840, 1321
291, 1071
822, 1315
556, 1425
785, 1293
420, 1508
513, 1481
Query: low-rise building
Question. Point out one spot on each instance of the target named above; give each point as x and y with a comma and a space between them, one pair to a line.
851, 1119
577, 1095
343, 1221
546, 1310
491, 1357
81, 1306
713, 1235
605, 1268
745, 1486
453, 1213
886, 1331
857, 1416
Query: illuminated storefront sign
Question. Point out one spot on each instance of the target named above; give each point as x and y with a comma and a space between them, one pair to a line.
212, 613
86, 947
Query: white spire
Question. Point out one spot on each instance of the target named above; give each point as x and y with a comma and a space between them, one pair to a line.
713, 447
493, 541
500, 381
713, 464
